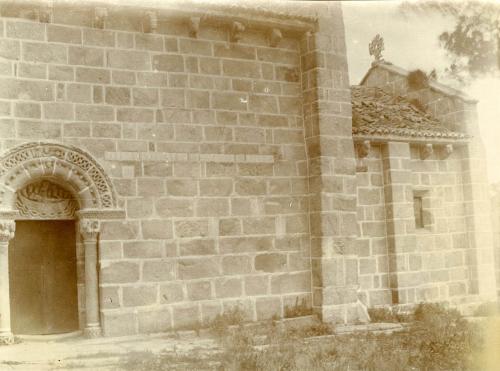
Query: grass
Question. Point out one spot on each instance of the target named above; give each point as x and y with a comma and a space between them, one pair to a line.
437, 338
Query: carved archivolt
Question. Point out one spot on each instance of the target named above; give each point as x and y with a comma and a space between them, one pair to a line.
67, 165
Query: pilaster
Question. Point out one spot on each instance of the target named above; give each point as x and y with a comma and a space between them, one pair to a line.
401, 239
7, 229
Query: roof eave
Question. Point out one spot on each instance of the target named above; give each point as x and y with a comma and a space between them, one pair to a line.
410, 140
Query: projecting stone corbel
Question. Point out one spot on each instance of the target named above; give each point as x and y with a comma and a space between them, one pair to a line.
194, 26
151, 22
275, 37
447, 150
100, 15
237, 30
45, 13
363, 150
425, 151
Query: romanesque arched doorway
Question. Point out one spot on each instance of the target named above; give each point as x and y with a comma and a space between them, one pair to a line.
41, 183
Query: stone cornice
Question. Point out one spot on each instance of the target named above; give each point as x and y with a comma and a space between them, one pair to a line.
412, 140
288, 19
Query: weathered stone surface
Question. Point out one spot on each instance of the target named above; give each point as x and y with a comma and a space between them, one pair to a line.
139, 295
193, 268
120, 272
158, 270
154, 321
156, 229
270, 262
119, 324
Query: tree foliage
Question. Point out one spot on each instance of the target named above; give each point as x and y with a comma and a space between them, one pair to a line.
473, 45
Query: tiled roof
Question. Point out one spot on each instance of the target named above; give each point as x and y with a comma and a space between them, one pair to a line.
377, 113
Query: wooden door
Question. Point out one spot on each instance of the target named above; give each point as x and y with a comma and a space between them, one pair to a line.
42, 272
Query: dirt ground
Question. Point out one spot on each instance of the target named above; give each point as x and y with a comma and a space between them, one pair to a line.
103, 354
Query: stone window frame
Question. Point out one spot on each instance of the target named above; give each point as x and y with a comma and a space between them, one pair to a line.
427, 216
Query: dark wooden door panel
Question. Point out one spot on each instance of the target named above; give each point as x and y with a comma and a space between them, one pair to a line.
45, 302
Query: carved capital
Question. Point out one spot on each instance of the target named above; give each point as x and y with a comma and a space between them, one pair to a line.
100, 15
426, 151
89, 228
194, 26
7, 230
275, 37
237, 30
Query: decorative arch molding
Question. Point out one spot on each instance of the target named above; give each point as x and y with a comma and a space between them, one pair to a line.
69, 166
41, 180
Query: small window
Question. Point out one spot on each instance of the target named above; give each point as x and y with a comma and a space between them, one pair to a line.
419, 213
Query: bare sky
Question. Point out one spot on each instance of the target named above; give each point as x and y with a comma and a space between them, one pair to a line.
412, 42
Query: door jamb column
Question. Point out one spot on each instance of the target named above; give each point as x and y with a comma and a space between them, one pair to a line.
7, 230
89, 230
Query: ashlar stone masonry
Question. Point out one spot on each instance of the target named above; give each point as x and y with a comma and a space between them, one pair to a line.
211, 158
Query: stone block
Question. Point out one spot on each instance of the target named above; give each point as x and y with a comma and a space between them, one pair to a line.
27, 110
194, 268
37, 129
97, 37
210, 310
118, 230
139, 295
268, 308
44, 53
93, 75
26, 89
241, 69
78, 93
25, 30
216, 187
148, 42
229, 101
31, 70
256, 285
109, 297
10, 49
229, 227
174, 207
259, 225
145, 97
125, 40
263, 104
249, 186
171, 293
92, 57
197, 247
212, 207
118, 96
236, 264
270, 263
291, 283
186, 316
119, 324
157, 169
199, 290
142, 249
119, 272
128, 60
134, 115
191, 228
228, 287
154, 321
158, 270
123, 77
172, 98
245, 244
182, 187
58, 111
168, 62
94, 113
156, 229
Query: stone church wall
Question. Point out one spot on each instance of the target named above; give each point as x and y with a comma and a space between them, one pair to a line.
204, 142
